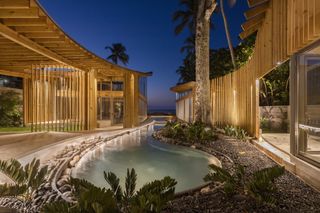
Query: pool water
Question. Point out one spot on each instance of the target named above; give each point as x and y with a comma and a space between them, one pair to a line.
150, 158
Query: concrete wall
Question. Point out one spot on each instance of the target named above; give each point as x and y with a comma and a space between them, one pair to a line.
275, 118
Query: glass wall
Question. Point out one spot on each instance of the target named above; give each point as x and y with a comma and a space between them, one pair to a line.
308, 104
110, 107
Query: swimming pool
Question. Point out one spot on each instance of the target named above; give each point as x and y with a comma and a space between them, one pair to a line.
150, 158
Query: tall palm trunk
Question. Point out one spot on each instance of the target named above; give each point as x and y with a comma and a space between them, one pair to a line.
226, 27
202, 106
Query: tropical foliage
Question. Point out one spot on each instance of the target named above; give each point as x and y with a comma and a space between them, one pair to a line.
10, 109
274, 87
118, 53
260, 186
236, 132
152, 197
196, 132
26, 180
220, 61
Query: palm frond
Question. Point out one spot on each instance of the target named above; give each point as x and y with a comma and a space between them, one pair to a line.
13, 169
7, 190
114, 183
130, 184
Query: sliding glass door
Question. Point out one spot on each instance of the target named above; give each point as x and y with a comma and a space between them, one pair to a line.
308, 105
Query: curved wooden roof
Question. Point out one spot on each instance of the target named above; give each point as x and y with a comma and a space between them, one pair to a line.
29, 36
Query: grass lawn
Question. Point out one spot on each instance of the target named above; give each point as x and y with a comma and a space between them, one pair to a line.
15, 129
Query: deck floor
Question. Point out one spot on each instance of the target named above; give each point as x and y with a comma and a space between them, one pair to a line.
282, 142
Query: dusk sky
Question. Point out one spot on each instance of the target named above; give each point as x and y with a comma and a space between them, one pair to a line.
145, 27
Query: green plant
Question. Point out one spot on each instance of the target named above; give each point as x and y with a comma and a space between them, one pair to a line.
91, 199
260, 186
26, 179
231, 182
10, 109
236, 132
191, 133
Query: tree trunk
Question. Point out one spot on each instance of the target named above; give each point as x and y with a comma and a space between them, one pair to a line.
226, 27
202, 105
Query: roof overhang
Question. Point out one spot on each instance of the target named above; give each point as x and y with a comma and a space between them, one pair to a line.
28, 35
183, 87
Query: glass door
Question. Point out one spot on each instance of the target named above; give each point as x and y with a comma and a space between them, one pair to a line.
118, 108
308, 101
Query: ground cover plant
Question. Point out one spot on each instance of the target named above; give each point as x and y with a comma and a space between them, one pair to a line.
196, 132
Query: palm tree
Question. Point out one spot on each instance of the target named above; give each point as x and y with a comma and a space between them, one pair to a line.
226, 27
187, 17
118, 53
202, 107
189, 45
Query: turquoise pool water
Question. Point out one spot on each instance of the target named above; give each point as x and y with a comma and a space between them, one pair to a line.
150, 158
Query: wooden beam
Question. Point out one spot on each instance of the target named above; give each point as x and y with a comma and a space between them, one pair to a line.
253, 3
252, 22
34, 29
13, 74
41, 21
19, 13
14, 4
250, 31
42, 35
23, 41
262, 8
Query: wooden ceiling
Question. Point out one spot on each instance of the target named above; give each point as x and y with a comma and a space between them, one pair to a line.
255, 17
29, 36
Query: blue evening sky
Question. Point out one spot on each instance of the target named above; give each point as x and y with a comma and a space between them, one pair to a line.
145, 27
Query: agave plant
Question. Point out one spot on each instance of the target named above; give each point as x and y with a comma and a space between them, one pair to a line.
25, 180
91, 199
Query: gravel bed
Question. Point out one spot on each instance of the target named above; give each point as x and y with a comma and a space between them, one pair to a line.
293, 194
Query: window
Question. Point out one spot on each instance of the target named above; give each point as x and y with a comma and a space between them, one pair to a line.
104, 86
117, 86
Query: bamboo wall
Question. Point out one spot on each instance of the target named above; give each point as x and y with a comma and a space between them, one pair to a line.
289, 25
56, 98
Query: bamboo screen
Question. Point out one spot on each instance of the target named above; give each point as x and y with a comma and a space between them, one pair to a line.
289, 25
56, 98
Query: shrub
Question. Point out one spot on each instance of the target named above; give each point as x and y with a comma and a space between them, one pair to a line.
191, 133
10, 109
261, 186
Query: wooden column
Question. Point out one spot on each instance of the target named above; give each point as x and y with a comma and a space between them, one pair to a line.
131, 97
91, 100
